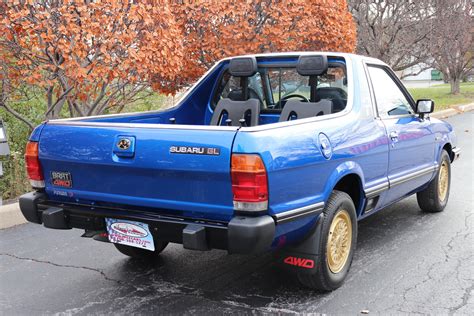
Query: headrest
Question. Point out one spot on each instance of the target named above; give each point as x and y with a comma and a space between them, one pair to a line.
243, 66
312, 65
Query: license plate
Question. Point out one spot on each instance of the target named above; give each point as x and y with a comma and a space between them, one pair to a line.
130, 233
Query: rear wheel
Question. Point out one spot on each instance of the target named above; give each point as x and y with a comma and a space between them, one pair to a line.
142, 254
337, 243
434, 198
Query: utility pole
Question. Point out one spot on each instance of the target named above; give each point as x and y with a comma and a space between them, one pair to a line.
4, 150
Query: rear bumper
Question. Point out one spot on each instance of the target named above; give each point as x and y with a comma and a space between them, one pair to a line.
241, 235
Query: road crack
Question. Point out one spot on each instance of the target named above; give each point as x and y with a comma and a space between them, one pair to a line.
102, 273
465, 298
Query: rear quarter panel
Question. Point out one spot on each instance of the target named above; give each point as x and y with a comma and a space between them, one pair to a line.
299, 175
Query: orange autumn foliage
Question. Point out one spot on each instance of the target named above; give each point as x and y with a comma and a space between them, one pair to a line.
216, 29
96, 55
88, 50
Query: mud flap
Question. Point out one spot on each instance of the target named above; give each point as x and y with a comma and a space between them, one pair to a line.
303, 257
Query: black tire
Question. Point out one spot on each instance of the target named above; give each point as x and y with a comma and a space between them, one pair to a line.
324, 279
430, 200
142, 254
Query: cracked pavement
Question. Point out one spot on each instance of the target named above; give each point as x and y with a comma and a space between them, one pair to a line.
406, 262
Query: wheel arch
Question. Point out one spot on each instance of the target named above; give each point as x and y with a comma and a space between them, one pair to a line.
449, 149
348, 178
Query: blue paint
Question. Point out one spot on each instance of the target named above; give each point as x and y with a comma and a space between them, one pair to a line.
199, 186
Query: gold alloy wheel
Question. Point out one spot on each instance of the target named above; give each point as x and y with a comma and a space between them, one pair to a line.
339, 241
443, 181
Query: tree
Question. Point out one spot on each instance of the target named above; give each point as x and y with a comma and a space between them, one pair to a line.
92, 56
452, 45
213, 30
395, 31
89, 55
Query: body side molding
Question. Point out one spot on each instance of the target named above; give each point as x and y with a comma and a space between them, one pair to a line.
312, 209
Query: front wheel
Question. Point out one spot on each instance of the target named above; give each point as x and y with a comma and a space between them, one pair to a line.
434, 198
142, 254
337, 243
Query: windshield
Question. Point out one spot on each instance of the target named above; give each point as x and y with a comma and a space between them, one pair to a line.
273, 86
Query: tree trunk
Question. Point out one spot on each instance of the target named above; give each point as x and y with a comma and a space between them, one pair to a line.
455, 85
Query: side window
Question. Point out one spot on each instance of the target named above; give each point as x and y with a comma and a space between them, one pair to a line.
390, 99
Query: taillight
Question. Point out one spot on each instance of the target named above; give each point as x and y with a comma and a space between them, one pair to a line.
33, 167
249, 183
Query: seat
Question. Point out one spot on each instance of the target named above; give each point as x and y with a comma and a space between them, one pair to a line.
244, 107
337, 95
237, 95
311, 66
248, 110
295, 109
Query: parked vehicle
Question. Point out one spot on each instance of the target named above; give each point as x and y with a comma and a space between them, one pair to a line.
242, 166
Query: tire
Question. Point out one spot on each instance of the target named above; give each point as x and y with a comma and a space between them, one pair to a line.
330, 274
142, 254
434, 198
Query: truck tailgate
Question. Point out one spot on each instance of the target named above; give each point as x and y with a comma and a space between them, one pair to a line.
178, 171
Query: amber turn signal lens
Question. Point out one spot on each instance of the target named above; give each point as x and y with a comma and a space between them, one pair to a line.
33, 167
249, 183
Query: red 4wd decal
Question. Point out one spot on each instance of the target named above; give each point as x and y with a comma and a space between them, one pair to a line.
299, 262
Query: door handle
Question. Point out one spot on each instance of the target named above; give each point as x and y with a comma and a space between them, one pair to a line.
394, 135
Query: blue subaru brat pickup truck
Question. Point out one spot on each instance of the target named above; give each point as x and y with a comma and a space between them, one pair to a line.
273, 152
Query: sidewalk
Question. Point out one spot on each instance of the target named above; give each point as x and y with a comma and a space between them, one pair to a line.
10, 215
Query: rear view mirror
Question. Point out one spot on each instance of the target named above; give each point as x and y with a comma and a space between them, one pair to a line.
424, 106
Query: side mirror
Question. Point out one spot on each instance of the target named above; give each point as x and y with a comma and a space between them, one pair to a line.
424, 106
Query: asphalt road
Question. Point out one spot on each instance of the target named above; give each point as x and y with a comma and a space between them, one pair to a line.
406, 261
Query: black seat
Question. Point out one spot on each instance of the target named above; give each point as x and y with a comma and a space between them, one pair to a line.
295, 109
233, 111
248, 110
337, 95
311, 66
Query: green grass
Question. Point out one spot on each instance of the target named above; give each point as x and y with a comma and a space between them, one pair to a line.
149, 102
442, 97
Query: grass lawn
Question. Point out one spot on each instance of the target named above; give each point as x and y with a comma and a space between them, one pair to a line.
443, 99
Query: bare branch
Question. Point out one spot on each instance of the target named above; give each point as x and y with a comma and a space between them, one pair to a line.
16, 114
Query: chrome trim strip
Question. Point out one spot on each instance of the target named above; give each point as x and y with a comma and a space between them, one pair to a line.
413, 175
456, 153
376, 189
299, 212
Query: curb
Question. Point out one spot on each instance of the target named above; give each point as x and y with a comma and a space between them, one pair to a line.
10, 215
453, 110
444, 113
464, 108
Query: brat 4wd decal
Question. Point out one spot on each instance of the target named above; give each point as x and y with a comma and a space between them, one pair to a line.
61, 179
212, 151
299, 262
129, 233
